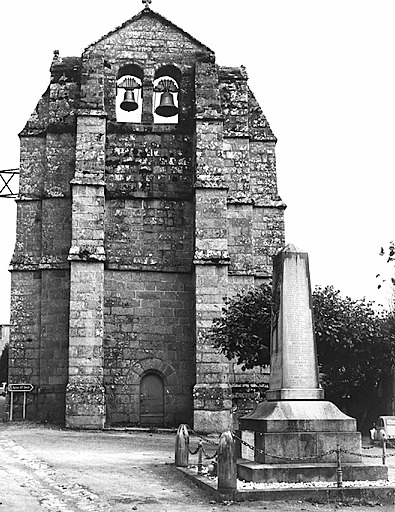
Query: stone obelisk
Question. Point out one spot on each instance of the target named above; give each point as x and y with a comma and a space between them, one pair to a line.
293, 355
296, 432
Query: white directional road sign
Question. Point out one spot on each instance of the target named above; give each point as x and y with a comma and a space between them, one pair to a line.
22, 386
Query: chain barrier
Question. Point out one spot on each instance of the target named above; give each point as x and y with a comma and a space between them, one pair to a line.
283, 457
313, 457
211, 467
207, 456
390, 444
200, 446
208, 441
193, 452
343, 450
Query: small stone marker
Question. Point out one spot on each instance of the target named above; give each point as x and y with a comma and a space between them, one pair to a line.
227, 466
182, 447
293, 365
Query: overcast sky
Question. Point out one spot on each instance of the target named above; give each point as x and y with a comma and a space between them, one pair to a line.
323, 73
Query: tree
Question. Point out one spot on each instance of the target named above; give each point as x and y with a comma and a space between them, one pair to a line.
355, 344
356, 350
243, 331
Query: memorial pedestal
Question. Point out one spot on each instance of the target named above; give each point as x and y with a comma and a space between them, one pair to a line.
296, 441
301, 430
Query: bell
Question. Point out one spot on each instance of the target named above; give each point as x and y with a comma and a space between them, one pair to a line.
166, 107
129, 103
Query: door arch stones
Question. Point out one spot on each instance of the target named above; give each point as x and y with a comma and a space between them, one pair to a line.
145, 375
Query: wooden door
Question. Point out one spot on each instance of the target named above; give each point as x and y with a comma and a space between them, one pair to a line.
151, 401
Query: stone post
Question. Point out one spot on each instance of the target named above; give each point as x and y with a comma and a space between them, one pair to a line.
227, 466
182, 447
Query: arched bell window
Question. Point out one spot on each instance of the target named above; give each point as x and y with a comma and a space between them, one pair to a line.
166, 95
129, 98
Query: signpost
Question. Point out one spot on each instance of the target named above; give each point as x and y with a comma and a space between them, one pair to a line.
21, 387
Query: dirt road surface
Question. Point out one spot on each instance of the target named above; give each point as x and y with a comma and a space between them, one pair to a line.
50, 469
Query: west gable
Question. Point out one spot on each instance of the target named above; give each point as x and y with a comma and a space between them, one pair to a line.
148, 35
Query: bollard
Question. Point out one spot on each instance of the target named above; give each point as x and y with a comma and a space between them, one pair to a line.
182, 447
384, 442
339, 471
227, 466
200, 458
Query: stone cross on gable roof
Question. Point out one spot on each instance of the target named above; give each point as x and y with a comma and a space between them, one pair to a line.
146, 3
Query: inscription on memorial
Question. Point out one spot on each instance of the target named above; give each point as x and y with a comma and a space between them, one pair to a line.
293, 363
298, 326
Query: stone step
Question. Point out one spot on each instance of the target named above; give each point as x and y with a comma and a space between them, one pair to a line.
251, 471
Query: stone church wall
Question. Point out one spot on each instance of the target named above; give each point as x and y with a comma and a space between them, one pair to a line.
149, 318
54, 341
131, 235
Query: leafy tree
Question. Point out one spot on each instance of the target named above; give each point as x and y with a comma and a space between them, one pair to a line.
356, 350
355, 344
243, 331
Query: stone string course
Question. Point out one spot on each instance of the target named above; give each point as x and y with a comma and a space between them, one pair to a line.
130, 235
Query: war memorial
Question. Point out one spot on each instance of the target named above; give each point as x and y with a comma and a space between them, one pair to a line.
295, 436
296, 424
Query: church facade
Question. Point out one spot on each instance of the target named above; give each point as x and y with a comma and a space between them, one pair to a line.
148, 194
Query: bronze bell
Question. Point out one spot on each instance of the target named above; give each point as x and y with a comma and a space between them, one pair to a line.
129, 103
166, 107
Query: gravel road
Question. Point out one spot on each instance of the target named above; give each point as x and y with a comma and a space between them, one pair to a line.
50, 469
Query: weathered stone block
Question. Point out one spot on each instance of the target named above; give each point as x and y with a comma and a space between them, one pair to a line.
212, 421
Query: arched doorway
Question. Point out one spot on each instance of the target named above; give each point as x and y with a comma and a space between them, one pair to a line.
152, 410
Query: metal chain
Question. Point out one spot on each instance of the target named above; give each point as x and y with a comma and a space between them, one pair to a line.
361, 454
193, 452
263, 452
283, 457
201, 440
369, 456
208, 441
207, 456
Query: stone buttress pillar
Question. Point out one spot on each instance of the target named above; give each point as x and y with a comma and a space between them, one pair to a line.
85, 395
212, 392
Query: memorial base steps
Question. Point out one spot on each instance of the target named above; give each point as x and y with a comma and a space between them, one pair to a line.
251, 471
